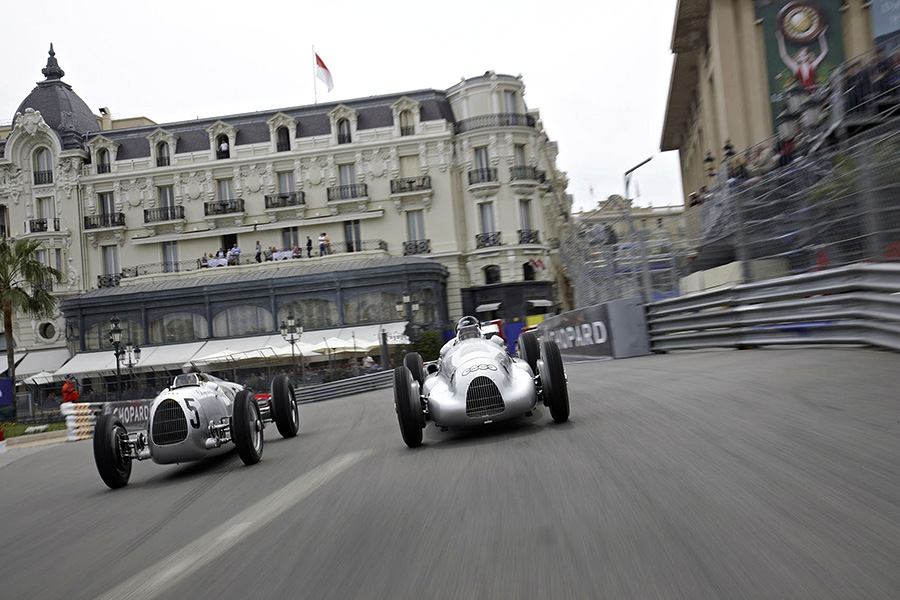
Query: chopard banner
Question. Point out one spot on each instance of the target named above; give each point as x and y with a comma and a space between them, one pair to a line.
617, 329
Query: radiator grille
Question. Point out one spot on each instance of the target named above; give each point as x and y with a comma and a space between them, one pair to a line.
169, 424
483, 399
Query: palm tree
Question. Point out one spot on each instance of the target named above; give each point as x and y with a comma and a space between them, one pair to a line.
23, 288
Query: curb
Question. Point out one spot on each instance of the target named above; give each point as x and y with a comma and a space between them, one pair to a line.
36, 439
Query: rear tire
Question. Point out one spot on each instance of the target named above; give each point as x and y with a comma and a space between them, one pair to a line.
529, 349
247, 428
113, 466
408, 407
284, 407
413, 362
553, 382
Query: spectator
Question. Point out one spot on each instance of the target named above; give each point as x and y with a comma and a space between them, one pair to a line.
295, 251
204, 261
69, 391
308, 247
322, 244
234, 255
258, 252
327, 244
369, 363
269, 253
221, 253
223, 147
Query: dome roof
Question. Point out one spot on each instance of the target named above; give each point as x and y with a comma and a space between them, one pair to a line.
62, 109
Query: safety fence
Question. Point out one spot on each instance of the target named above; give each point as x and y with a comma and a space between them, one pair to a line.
856, 304
345, 387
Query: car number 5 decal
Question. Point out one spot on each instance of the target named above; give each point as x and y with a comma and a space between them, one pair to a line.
195, 420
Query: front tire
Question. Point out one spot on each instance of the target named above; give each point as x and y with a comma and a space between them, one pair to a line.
553, 382
247, 428
413, 362
284, 407
408, 407
529, 349
113, 466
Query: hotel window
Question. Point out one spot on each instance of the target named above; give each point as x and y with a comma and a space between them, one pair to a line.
222, 147
520, 155
481, 158
509, 102
290, 237
107, 203
347, 174
103, 161
170, 257
415, 225
57, 253
166, 197
162, 154
286, 182
407, 124
491, 274
352, 236
43, 167
225, 189
525, 214
343, 131
486, 211
283, 140
4, 221
110, 257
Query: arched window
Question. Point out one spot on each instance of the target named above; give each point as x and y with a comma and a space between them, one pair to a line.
43, 167
178, 327
242, 320
374, 307
283, 143
491, 274
97, 337
313, 313
223, 149
162, 154
407, 124
103, 161
527, 272
343, 131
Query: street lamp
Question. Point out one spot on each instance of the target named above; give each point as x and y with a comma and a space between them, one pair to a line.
115, 338
132, 355
291, 332
408, 306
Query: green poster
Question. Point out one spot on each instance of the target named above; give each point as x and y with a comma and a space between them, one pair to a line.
803, 45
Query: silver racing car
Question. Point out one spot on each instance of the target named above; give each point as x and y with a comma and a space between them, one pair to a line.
196, 417
475, 382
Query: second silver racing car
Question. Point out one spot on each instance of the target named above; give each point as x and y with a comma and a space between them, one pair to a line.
476, 382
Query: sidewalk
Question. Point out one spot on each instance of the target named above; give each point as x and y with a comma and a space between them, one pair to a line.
36, 439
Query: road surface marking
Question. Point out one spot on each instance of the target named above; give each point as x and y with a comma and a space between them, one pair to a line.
157, 578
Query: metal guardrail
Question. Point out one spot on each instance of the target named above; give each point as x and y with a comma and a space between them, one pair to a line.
345, 387
856, 304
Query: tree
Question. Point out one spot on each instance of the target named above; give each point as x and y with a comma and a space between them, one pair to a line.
24, 287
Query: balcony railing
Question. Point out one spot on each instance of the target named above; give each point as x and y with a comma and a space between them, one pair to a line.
223, 207
42, 225
358, 246
220, 154
282, 146
286, 200
529, 236
486, 240
104, 220
166, 213
343, 138
521, 173
407, 129
162, 161
105, 281
496, 120
161, 267
103, 168
411, 184
416, 247
488, 175
43, 177
348, 192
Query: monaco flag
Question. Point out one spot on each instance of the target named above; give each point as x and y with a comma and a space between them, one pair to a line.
323, 73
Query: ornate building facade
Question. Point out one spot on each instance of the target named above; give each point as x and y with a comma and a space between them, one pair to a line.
464, 179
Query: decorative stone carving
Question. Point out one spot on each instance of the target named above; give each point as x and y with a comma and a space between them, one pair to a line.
376, 166
31, 123
193, 189
314, 174
72, 277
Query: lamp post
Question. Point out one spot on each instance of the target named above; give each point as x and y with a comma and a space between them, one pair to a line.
115, 338
408, 306
645, 268
291, 332
132, 355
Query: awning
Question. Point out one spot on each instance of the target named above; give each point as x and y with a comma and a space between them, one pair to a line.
489, 307
37, 361
172, 356
219, 350
18, 358
541, 302
88, 363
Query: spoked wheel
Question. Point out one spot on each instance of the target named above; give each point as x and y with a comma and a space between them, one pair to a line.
113, 465
247, 428
413, 362
284, 407
529, 349
553, 382
408, 407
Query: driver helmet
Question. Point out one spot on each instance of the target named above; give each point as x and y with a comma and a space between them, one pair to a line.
468, 328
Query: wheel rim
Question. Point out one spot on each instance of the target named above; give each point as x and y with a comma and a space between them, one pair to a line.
255, 427
295, 416
121, 461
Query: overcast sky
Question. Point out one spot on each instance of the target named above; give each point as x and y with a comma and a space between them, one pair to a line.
598, 71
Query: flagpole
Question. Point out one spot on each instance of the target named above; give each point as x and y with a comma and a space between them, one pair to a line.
315, 88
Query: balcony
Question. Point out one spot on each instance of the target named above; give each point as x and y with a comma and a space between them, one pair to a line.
529, 236
348, 192
103, 168
416, 247
43, 177
286, 200
407, 130
162, 161
411, 184
344, 138
221, 154
106, 281
282, 146
496, 120
479, 176
223, 207
166, 213
486, 240
43, 225
104, 220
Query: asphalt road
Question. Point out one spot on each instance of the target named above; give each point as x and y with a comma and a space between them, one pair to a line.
722, 474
